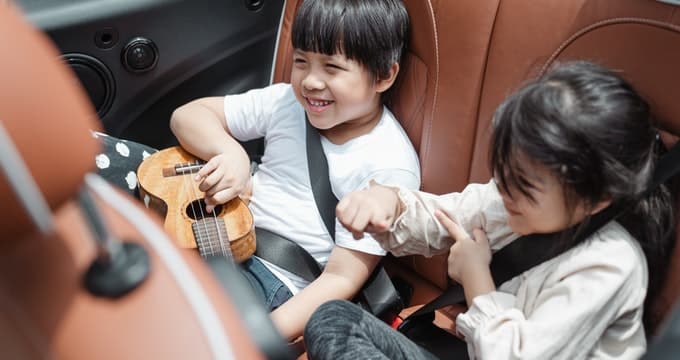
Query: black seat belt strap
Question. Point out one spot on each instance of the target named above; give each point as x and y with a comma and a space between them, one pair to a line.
378, 292
528, 251
286, 254
319, 178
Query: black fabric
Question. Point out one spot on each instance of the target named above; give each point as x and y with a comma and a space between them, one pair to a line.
517, 257
318, 177
286, 254
435, 340
118, 161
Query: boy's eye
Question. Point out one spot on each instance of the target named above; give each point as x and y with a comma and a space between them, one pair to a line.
334, 66
299, 61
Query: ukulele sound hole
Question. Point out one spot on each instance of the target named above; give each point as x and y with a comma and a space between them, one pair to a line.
196, 210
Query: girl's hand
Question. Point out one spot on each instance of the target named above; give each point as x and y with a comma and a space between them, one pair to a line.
223, 178
371, 210
469, 257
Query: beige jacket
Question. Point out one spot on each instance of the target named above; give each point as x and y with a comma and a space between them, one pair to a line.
584, 303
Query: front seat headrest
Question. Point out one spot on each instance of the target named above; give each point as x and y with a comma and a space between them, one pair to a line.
47, 115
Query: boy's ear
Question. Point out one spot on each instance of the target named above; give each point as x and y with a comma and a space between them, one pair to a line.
383, 84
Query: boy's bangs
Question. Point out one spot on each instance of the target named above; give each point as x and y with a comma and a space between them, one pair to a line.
320, 30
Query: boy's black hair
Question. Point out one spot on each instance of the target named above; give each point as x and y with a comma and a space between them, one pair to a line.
370, 32
594, 132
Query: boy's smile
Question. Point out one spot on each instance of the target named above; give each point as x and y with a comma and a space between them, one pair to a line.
317, 105
338, 94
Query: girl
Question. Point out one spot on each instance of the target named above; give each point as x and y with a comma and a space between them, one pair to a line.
564, 147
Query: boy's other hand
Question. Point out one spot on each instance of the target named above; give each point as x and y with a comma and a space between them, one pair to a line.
372, 210
222, 178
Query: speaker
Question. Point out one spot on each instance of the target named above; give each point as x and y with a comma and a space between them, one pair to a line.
96, 78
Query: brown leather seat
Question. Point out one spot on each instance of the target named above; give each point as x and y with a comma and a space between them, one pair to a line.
180, 311
465, 56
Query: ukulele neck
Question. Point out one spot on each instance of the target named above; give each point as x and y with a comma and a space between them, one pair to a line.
211, 237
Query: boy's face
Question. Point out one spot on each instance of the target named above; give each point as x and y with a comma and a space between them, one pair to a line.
338, 94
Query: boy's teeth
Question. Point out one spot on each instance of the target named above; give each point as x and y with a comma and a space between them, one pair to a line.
319, 103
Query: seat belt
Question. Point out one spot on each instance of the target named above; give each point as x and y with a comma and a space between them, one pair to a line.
378, 295
521, 255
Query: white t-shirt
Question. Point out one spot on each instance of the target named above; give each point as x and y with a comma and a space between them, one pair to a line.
282, 199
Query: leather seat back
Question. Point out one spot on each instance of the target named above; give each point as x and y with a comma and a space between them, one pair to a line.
179, 311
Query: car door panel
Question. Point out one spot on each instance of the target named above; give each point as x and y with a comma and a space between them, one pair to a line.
201, 48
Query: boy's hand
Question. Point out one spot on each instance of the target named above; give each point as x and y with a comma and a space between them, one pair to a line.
469, 257
222, 178
371, 210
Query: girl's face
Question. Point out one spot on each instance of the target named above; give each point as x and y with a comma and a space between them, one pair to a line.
338, 94
547, 211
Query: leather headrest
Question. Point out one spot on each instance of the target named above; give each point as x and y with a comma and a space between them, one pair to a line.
46, 114
647, 59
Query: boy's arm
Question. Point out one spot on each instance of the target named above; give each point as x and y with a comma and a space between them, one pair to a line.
201, 128
343, 276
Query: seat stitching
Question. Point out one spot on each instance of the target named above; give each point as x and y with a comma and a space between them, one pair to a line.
603, 23
428, 131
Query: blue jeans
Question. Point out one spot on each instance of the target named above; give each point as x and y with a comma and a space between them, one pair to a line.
266, 285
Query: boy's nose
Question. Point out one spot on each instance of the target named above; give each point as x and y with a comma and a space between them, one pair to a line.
312, 82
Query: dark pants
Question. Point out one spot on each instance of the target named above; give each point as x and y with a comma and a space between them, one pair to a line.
341, 330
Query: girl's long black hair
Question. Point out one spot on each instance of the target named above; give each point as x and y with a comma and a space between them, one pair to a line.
594, 132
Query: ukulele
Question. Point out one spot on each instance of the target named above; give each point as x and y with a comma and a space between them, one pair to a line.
167, 186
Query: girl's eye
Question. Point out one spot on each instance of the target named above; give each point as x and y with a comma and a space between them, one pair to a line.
299, 61
334, 66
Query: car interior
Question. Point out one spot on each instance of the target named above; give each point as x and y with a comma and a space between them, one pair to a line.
138, 60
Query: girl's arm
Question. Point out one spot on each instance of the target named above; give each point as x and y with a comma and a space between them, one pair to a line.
343, 276
566, 308
417, 231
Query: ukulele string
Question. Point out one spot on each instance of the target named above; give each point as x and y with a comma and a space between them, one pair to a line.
199, 238
220, 237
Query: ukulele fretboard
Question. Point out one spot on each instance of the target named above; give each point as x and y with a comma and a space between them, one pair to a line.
211, 237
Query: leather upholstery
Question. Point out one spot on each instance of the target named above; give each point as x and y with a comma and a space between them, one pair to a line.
465, 56
45, 312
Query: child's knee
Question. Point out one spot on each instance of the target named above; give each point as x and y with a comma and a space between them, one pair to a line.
333, 313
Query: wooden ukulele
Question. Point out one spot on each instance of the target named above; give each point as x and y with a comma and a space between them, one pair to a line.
166, 185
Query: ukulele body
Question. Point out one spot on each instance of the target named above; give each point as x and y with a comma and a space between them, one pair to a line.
176, 197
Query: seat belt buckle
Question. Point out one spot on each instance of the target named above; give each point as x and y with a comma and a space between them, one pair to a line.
413, 321
396, 322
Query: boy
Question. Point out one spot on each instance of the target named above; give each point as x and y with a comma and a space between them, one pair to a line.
346, 57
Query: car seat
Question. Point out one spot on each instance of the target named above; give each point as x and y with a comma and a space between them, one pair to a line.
58, 220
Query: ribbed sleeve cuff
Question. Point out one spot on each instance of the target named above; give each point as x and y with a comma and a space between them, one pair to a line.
483, 308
